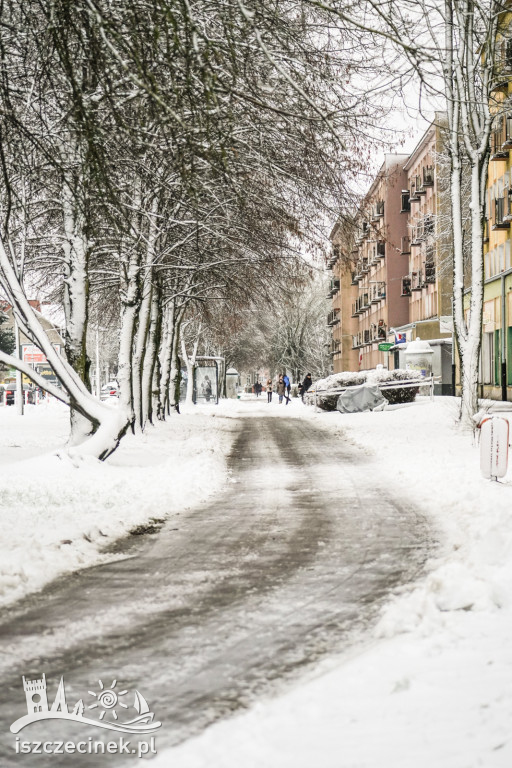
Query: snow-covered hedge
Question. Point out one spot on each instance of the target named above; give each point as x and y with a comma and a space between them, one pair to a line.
353, 379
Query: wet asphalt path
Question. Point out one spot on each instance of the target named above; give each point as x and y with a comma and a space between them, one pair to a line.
288, 564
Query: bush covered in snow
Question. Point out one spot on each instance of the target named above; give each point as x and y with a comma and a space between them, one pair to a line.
328, 402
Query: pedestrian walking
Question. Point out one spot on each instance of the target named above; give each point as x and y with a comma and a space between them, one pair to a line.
305, 385
269, 390
288, 386
280, 388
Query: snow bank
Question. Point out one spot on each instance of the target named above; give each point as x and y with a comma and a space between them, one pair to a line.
355, 378
58, 515
433, 687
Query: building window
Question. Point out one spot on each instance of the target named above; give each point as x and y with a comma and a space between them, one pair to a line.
488, 358
406, 285
406, 201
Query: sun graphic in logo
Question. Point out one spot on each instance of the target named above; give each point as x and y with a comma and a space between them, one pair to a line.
107, 699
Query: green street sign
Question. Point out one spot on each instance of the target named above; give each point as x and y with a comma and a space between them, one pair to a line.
386, 346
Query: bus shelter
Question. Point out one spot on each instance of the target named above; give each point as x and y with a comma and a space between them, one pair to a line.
206, 380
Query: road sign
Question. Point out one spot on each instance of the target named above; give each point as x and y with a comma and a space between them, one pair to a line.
33, 355
385, 346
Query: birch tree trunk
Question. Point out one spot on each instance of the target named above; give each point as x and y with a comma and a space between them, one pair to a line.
165, 359
190, 363
173, 393
76, 284
149, 371
469, 129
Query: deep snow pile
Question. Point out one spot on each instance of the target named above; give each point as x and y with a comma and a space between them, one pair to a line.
58, 516
355, 378
320, 396
433, 687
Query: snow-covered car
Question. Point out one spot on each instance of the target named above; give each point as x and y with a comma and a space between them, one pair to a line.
110, 389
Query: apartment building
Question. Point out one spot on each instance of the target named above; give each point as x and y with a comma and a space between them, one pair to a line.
496, 355
429, 279
344, 355
404, 226
367, 273
394, 281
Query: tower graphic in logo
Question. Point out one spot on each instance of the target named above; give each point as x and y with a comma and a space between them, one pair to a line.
107, 703
35, 693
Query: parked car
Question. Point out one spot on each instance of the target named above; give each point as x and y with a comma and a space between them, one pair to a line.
8, 391
108, 390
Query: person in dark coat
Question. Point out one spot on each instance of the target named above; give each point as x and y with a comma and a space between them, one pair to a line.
305, 385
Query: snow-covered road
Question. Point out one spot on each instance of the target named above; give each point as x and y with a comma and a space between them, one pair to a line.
289, 563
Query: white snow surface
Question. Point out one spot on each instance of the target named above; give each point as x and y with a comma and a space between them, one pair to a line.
58, 515
353, 378
433, 686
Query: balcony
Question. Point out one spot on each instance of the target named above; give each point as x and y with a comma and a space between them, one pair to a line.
508, 205
502, 64
508, 131
333, 317
378, 292
334, 287
414, 196
428, 225
363, 233
406, 286
501, 218
378, 210
416, 281
499, 140
430, 265
428, 176
420, 189
418, 234
430, 271
406, 201
334, 256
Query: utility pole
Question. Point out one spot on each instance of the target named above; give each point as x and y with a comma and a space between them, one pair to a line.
18, 398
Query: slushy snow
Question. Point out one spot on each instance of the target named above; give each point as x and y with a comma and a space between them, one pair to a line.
432, 686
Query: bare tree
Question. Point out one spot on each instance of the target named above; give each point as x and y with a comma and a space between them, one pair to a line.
168, 157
